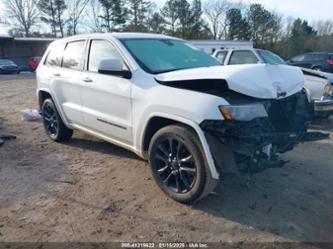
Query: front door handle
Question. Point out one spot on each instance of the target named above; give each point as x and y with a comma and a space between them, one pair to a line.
56, 74
87, 79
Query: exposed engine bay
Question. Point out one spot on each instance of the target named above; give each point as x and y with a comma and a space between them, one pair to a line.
258, 129
255, 144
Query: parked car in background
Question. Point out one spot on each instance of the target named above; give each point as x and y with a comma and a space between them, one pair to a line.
320, 61
33, 63
316, 83
321, 90
8, 66
173, 105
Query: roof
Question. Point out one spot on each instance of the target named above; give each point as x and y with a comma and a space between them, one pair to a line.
121, 35
32, 39
219, 43
129, 35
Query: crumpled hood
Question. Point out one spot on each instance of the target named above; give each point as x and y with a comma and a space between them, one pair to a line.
262, 81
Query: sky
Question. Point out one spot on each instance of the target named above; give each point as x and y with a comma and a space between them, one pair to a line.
310, 10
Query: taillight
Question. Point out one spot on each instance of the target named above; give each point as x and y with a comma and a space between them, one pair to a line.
330, 61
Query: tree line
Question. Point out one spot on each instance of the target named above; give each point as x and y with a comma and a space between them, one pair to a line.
212, 19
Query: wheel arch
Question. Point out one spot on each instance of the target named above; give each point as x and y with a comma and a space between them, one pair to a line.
158, 121
43, 94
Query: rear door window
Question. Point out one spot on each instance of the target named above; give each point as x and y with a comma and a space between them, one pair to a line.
55, 55
74, 55
243, 57
220, 56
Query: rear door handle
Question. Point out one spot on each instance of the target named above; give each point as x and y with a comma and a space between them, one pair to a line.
56, 74
87, 79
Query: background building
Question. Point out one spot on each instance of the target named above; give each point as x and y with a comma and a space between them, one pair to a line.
21, 49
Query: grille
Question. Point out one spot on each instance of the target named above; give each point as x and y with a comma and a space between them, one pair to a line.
291, 114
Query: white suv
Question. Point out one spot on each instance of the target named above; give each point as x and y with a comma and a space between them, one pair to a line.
172, 104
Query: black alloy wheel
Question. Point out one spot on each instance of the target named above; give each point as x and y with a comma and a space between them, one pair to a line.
175, 165
53, 124
178, 164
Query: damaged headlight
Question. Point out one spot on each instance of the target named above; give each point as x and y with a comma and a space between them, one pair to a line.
243, 112
327, 91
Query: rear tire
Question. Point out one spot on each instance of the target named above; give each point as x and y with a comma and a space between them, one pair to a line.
53, 124
178, 164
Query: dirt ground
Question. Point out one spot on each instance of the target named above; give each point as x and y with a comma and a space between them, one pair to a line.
90, 190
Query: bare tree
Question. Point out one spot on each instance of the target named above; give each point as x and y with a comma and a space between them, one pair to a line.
323, 27
52, 13
170, 14
76, 9
94, 12
24, 12
215, 12
289, 21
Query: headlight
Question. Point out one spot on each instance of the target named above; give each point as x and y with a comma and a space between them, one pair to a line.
327, 91
243, 112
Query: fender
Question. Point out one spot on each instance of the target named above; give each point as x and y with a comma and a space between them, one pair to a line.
211, 164
56, 102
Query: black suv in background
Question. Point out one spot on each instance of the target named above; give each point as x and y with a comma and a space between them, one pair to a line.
321, 61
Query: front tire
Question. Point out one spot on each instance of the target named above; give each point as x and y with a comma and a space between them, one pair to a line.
178, 164
53, 124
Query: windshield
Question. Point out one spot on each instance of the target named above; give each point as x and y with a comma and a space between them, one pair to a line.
166, 55
270, 58
6, 62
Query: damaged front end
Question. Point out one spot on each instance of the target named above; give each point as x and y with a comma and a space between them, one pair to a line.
255, 131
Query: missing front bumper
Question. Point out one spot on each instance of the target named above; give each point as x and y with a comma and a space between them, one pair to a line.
251, 146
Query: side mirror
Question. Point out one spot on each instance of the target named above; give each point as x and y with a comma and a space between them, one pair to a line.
114, 67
